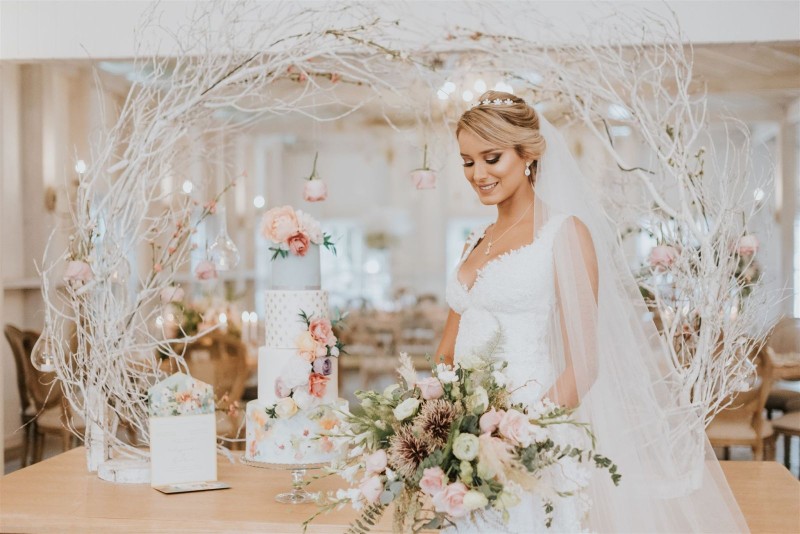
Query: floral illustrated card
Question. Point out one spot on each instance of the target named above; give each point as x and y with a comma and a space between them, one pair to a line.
183, 431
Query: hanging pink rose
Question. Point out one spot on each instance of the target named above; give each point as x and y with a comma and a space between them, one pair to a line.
322, 331
279, 223
747, 245
78, 271
205, 271
315, 191
298, 244
317, 384
171, 294
424, 179
662, 257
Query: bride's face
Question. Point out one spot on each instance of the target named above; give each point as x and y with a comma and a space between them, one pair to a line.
495, 174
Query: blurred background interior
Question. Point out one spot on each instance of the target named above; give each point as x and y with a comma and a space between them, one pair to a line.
396, 244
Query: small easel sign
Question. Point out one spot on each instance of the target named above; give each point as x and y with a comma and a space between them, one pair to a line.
183, 436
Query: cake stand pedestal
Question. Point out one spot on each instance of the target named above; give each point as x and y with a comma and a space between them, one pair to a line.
298, 495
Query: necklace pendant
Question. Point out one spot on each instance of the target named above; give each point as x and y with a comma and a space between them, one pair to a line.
488, 249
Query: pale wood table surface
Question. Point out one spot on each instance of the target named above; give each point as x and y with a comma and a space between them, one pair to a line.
58, 495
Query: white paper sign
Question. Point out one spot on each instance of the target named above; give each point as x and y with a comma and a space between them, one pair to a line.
183, 448
183, 431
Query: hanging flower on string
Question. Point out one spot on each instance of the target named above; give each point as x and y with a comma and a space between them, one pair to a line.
424, 178
315, 190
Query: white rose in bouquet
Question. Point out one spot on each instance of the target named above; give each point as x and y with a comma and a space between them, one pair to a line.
406, 409
478, 401
465, 447
475, 500
471, 361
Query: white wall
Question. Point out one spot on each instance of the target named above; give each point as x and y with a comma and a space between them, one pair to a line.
104, 29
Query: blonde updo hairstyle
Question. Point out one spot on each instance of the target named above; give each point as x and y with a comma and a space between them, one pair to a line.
506, 126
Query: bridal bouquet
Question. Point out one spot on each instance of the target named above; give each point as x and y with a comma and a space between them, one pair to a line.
452, 444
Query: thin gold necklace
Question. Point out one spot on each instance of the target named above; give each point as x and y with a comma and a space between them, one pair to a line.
492, 240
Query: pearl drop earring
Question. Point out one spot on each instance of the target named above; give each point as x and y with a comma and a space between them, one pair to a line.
528, 168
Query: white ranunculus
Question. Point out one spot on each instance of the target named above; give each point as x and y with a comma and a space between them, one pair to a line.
304, 399
478, 401
285, 408
465, 447
406, 409
471, 361
447, 377
474, 500
390, 389
295, 373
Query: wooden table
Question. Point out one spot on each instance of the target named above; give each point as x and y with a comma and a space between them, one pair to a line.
58, 495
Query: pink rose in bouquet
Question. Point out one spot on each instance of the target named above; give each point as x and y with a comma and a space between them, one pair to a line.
322, 332
205, 271
433, 481
662, 257
430, 388
515, 426
298, 244
315, 191
78, 271
747, 245
371, 488
317, 384
491, 420
278, 224
376, 462
451, 500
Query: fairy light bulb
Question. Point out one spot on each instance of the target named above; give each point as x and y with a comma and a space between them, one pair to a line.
223, 251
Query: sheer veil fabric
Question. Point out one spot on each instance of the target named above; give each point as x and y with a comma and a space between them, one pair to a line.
609, 356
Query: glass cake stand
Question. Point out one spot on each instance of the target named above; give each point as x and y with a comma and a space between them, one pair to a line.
297, 495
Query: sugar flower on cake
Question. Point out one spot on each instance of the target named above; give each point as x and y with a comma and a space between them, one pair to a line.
293, 232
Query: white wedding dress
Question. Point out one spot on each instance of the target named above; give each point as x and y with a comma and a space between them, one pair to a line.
515, 294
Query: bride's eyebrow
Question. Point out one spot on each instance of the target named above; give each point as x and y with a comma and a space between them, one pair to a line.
483, 152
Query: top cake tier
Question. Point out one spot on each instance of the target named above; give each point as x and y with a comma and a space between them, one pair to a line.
297, 272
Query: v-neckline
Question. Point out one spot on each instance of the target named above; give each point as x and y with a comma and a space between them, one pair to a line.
479, 272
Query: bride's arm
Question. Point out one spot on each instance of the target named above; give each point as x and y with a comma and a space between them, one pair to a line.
565, 391
447, 346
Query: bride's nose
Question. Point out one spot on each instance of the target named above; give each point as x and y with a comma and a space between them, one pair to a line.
480, 172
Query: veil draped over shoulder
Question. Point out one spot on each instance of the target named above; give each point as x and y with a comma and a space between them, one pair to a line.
609, 356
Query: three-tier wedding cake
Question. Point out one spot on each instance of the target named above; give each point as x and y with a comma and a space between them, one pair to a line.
298, 395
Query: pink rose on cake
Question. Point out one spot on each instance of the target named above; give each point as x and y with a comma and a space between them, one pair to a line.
278, 224
317, 384
322, 331
298, 244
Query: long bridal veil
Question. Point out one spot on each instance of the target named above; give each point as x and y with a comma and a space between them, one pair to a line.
608, 352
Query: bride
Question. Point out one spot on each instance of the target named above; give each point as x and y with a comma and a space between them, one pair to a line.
548, 274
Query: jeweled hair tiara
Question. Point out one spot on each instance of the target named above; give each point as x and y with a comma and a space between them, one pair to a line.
495, 102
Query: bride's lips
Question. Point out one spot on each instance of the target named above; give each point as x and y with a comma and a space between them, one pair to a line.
487, 188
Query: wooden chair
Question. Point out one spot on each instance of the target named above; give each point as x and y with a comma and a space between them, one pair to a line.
43, 409
220, 359
788, 425
743, 422
784, 340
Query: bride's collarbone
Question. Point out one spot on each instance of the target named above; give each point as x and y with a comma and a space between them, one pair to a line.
477, 258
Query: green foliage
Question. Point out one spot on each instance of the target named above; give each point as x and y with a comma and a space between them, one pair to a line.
368, 519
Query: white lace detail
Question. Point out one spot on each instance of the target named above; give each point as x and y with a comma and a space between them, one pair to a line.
515, 292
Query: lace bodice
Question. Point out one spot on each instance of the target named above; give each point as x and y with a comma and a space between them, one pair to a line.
515, 294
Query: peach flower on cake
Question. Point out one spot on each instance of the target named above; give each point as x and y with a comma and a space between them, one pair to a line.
307, 346
309, 226
298, 244
278, 224
317, 384
322, 331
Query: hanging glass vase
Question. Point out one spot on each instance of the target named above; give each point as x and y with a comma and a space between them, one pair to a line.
223, 251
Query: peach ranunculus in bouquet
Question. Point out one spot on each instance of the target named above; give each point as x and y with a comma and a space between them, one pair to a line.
454, 444
292, 232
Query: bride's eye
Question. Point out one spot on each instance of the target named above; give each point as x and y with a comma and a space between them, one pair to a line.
493, 160
467, 164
